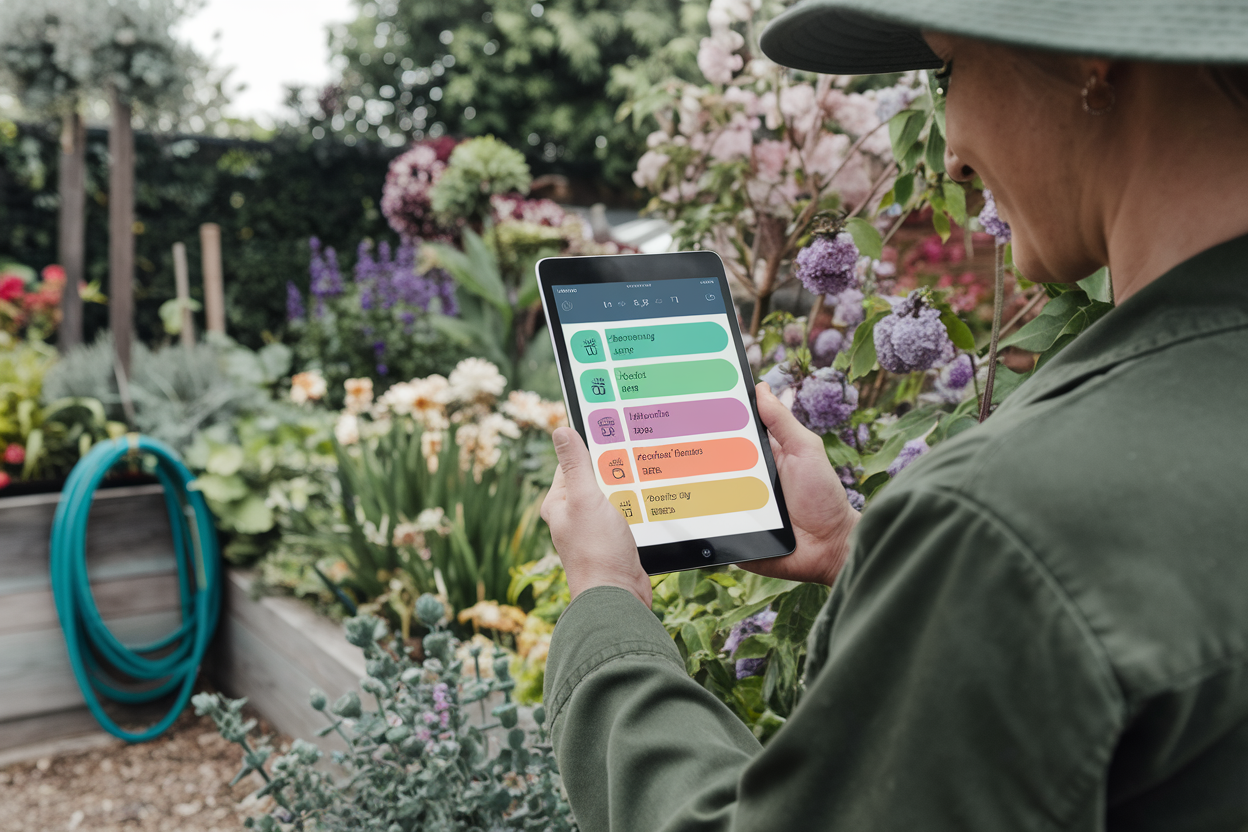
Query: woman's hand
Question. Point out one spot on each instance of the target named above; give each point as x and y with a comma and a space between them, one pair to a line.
821, 514
590, 535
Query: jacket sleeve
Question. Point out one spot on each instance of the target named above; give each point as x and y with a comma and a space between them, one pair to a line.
955, 688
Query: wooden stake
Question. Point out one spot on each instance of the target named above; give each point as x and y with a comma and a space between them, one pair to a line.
72, 227
121, 230
214, 290
182, 279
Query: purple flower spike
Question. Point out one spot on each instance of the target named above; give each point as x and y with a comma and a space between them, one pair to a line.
826, 266
991, 220
294, 303
912, 338
856, 500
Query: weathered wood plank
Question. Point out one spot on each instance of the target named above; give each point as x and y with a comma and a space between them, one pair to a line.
247, 665
35, 676
31, 611
128, 534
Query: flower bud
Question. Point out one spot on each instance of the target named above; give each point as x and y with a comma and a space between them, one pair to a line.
348, 705
507, 714
429, 610
318, 699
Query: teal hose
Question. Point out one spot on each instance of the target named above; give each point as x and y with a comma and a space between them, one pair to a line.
91, 644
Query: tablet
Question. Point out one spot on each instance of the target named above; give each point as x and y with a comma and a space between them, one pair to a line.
655, 379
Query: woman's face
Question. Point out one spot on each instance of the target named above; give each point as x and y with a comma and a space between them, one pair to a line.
1019, 124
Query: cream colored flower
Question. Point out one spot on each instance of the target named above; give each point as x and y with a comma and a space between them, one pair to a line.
431, 442
475, 379
306, 387
526, 407
359, 394
399, 399
491, 615
347, 429
433, 520
429, 403
410, 535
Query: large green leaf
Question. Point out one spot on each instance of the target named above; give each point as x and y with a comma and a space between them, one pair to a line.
221, 489
866, 237
862, 351
903, 132
1038, 334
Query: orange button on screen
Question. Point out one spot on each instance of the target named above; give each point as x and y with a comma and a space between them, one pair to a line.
614, 467
693, 459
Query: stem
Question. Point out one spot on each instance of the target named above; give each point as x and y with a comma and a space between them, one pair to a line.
998, 303
810, 322
1031, 304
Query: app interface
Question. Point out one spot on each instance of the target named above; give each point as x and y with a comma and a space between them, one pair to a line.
671, 432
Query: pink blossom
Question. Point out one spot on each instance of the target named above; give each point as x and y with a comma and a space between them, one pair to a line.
657, 138
797, 104
736, 140
769, 157
857, 115
649, 168
747, 100
827, 155
718, 61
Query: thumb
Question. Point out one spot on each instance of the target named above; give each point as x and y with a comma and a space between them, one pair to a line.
781, 423
574, 461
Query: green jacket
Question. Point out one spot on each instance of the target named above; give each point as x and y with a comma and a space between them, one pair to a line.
1043, 623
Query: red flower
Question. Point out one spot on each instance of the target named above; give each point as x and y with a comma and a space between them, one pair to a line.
5, 479
12, 287
53, 274
15, 454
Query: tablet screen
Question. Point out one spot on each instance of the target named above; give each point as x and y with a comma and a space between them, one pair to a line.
666, 408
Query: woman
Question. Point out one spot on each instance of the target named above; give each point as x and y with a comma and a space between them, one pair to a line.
1043, 623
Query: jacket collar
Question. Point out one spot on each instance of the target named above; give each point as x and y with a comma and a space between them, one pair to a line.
1199, 297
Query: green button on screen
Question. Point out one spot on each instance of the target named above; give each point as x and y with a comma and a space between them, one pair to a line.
587, 347
596, 386
663, 340
676, 378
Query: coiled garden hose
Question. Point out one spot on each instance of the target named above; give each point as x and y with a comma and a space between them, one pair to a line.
172, 661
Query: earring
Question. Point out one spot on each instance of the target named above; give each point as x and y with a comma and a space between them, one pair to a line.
1098, 97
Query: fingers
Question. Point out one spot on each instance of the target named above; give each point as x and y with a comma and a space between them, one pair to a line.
782, 424
574, 463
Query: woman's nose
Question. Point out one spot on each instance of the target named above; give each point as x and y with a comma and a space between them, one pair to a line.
958, 170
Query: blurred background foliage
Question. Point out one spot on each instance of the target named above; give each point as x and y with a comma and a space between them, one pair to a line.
268, 197
546, 77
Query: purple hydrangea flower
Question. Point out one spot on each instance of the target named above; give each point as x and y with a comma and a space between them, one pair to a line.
826, 266
910, 451
826, 345
856, 438
892, 100
825, 400
760, 622
957, 374
778, 378
848, 308
847, 475
793, 334
856, 500
294, 302
912, 338
991, 220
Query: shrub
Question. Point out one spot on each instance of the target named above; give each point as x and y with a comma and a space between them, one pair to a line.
416, 762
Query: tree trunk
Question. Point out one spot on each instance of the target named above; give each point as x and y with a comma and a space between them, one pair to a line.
72, 230
121, 231
214, 279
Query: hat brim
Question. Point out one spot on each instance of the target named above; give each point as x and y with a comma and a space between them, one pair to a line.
821, 37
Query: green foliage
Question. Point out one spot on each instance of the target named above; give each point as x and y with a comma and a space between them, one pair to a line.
492, 322
549, 82
416, 762
52, 436
266, 478
478, 169
700, 608
268, 197
436, 517
174, 391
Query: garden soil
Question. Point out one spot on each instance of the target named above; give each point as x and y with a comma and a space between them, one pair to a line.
177, 782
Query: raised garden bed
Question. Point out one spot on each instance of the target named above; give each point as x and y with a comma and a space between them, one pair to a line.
133, 577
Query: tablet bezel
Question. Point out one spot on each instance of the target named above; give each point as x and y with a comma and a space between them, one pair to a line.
632, 268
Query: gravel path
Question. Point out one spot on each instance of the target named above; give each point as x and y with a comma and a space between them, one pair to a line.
177, 782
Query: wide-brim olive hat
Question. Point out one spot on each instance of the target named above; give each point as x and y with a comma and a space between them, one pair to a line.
855, 37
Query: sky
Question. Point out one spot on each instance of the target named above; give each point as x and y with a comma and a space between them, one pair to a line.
270, 43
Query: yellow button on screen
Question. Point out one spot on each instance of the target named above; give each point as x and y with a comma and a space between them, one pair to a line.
626, 502
698, 499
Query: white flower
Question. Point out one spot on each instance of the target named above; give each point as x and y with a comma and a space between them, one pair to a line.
433, 520
309, 386
359, 394
347, 429
430, 447
475, 379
